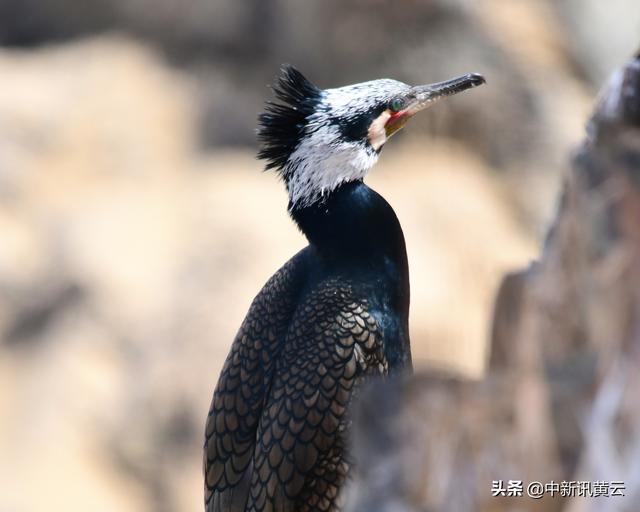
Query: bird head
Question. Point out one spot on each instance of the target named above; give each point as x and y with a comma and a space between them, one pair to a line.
320, 138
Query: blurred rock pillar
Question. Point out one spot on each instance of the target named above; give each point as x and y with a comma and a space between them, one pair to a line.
560, 401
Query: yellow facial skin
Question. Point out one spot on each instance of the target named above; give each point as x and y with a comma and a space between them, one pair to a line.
385, 125
396, 121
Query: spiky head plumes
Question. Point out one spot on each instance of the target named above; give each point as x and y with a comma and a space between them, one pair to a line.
318, 139
283, 123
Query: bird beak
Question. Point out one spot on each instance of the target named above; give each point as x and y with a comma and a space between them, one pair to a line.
425, 95
422, 96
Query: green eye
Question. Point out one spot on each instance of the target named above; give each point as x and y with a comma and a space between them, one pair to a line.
396, 104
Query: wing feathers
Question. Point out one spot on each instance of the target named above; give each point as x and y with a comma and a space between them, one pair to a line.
275, 435
236, 407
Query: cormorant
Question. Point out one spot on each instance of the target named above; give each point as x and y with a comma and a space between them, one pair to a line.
335, 314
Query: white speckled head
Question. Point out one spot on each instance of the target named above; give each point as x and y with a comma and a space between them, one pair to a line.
343, 139
319, 139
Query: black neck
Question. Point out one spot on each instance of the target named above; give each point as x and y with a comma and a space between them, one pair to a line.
353, 224
355, 234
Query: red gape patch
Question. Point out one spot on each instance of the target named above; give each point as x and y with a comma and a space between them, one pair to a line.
396, 121
396, 116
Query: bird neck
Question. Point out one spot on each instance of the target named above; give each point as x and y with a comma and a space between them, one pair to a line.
353, 233
353, 223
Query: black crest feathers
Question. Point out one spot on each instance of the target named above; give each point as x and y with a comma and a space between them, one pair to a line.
281, 126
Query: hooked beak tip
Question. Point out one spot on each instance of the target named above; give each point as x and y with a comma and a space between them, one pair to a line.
476, 79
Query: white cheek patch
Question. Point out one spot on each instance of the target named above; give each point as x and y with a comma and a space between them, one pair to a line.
377, 134
323, 161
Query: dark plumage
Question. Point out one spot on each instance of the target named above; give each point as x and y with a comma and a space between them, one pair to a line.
331, 317
282, 125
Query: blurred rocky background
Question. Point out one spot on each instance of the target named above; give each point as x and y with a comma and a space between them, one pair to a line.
136, 226
559, 400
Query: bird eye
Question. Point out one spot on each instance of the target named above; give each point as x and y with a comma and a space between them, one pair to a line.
396, 104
